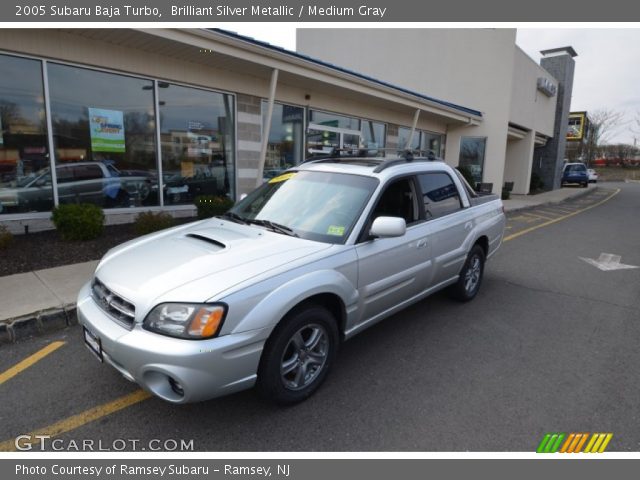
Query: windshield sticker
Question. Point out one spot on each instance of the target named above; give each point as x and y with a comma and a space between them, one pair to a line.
335, 230
282, 178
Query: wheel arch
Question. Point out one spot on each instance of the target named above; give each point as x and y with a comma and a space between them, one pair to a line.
331, 301
326, 288
483, 241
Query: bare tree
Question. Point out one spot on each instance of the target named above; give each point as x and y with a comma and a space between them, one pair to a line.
602, 125
635, 127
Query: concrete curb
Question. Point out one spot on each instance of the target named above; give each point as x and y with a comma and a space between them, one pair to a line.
578, 194
38, 323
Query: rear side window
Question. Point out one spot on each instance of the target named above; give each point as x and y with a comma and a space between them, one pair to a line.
87, 172
440, 195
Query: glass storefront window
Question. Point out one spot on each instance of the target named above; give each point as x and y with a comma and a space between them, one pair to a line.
403, 138
472, 151
422, 140
104, 137
334, 120
197, 137
373, 137
286, 138
328, 132
25, 177
432, 143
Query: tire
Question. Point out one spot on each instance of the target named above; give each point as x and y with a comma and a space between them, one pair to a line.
298, 355
470, 279
585, 185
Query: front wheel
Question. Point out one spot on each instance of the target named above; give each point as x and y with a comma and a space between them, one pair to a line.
298, 355
468, 284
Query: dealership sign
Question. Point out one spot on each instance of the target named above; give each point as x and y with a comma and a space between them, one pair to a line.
547, 87
107, 130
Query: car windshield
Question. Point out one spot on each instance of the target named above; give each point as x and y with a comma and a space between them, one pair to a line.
317, 206
575, 168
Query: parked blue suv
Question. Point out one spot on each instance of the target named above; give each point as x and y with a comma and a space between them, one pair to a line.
575, 173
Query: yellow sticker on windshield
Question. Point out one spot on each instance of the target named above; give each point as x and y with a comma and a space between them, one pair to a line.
282, 178
335, 230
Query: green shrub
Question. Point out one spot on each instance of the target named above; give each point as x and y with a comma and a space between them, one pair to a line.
148, 222
212, 205
6, 237
468, 176
78, 221
506, 194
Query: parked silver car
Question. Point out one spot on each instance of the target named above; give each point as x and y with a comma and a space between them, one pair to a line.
265, 294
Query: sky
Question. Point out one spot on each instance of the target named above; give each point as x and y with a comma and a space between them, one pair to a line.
607, 74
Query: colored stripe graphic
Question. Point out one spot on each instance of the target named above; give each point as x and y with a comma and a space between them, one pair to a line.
574, 443
599, 442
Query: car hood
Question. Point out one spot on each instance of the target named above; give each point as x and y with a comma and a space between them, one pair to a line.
196, 262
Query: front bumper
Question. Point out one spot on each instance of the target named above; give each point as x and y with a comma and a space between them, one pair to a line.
202, 368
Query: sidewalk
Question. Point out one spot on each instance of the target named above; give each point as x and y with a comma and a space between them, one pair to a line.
43, 300
36, 302
519, 202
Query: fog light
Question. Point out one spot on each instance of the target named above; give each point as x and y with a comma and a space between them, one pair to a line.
176, 387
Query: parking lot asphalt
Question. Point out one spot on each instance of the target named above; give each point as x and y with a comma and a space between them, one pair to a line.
549, 345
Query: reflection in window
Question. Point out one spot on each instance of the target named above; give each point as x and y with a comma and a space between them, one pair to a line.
440, 195
25, 179
403, 139
334, 120
285, 138
472, 155
196, 132
104, 135
430, 143
373, 137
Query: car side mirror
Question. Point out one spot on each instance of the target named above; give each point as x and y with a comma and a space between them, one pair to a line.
385, 227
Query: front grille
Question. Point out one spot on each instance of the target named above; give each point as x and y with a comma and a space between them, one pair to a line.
122, 311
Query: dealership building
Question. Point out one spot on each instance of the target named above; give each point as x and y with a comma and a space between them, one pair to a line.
148, 119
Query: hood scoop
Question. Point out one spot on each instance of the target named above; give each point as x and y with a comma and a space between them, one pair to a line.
204, 238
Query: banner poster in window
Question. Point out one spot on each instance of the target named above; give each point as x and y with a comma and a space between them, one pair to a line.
107, 130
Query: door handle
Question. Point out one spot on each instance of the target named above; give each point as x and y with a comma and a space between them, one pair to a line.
421, 243
468, 225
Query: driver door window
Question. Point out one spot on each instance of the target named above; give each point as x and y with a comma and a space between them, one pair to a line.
398, 200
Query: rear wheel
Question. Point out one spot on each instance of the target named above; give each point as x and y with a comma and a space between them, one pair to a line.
298, 355
468, 284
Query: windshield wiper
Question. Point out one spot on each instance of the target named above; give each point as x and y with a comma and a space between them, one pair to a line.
274, 227
235, 217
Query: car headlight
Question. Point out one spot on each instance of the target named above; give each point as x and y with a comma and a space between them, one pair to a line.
193, 321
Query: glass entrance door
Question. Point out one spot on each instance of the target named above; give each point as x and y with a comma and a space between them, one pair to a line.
323, 139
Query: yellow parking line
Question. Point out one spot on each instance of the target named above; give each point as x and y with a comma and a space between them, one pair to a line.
555, 220
29, 361
538, 216
80, 419
550, 213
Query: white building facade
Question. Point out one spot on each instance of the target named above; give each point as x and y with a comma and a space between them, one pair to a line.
482, 69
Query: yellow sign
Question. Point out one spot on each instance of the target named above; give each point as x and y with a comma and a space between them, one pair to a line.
282, 178
576, 128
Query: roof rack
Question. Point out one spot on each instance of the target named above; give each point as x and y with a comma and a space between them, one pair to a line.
408, 156
339, 153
